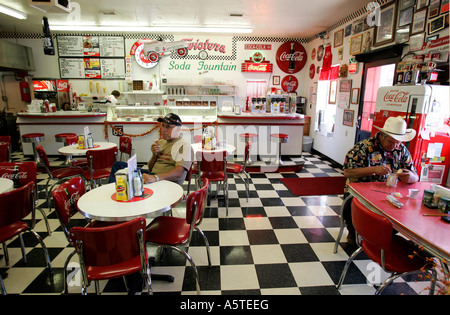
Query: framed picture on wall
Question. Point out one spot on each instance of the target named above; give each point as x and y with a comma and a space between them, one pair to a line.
355, 44
339, 38
348, 117
405, 17
436, 24
444, 6
433, 9
421, 4
402, 35
406, 4
276, 80
385, 31
419, 21
355, 96
416, 42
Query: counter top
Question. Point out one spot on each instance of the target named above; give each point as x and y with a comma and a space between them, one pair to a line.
245, 115
61, 114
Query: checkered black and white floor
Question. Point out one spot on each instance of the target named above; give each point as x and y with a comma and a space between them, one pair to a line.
274, 244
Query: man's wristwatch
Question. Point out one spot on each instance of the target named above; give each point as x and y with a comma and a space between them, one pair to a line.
157, 178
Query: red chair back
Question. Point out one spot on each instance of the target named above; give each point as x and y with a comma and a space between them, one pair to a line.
65, 198
213, 164
17, 204
71, 140
125, 145
197, 198
43, 156
6, 139
111, 245
26, 172
372, 227
100, 159
4, 152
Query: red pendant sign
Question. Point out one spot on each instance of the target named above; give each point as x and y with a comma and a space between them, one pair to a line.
291, 57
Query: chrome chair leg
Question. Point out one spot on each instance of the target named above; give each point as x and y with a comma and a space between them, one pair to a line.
347, 265
191, 261
206, 243
346, 201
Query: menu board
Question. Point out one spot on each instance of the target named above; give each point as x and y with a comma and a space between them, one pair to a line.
91, 57
93, 46
92, 68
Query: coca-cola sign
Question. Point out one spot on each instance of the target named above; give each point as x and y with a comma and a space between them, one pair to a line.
256, 67
396, 96
291, 57
289, 84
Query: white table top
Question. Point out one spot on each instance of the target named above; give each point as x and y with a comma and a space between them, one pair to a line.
73, 149
6, 184
98, 204
198, 147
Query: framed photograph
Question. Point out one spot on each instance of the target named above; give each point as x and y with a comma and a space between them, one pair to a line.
345, 86
405, 17
276, 80
416, 42
433, 9
385, 31
357, 26
355, 96
402, 35
355, 44
339, 38
436, 24
406, 4
348, 117
421, 4
419, 21
348, 30
333, 92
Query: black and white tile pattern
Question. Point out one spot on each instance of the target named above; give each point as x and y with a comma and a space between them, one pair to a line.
275, 243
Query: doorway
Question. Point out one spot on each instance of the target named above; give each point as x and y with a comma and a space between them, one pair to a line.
376, 74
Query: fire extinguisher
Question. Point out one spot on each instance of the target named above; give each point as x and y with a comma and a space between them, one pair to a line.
25, 91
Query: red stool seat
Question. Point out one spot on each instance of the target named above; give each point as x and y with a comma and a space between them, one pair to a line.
33, 137
248, 135
61, 137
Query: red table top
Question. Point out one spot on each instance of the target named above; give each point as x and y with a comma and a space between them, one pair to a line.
430, 232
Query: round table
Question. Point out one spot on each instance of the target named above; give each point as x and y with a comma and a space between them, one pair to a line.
73, 149
99, 203
6, 184
198, 147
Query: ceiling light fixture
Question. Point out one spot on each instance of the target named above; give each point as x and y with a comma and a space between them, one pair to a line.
12, 12
151, 29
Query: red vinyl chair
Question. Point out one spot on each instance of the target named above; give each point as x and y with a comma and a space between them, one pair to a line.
393, 253
65, 199
5, 149
213, 166
20, 203
125, 146
59, 175
111, 252
239, 169
176, 232
22, 173
100, 163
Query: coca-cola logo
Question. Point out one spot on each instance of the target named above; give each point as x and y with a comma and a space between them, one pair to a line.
289, 84
396, 96
62, 85
13, 176
72, 200
291, 57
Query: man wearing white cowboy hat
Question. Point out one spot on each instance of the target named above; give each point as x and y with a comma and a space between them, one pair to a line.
373, 159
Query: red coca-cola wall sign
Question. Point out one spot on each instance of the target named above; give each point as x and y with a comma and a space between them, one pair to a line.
289, 84
291, 57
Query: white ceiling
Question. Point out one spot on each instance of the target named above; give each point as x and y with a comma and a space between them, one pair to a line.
279, 18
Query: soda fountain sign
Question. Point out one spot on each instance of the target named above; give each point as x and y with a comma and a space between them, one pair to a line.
291, 57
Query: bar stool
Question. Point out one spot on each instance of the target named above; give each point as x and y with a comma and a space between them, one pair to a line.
34, 138
279, 138
62, 137
249, 137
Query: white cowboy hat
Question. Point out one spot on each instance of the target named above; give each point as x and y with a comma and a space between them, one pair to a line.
395, 127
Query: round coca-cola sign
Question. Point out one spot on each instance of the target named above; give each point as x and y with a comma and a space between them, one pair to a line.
289, 84
291, 57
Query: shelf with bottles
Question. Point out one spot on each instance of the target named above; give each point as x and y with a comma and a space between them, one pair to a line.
199, 90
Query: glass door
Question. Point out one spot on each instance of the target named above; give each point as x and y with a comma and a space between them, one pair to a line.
376, 74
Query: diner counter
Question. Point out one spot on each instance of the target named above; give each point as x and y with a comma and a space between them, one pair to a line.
53, 123
262, 116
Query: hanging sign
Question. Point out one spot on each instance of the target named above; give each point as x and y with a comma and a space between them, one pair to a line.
291, 57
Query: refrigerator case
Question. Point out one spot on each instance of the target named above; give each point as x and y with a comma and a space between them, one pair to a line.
426, 109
